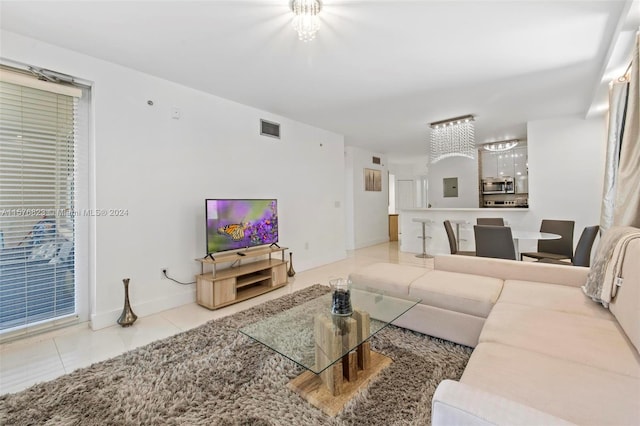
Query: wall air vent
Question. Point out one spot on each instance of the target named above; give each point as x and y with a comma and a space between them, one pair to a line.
269, 128
376, 160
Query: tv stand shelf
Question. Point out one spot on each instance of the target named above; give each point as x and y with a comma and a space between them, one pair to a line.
240, 281
251, 279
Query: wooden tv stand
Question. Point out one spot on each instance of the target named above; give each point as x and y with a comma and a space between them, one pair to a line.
240, 281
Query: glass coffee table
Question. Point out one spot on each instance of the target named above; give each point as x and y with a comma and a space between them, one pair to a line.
335, 350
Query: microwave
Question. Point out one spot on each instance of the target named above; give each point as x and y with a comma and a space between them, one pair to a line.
498, 186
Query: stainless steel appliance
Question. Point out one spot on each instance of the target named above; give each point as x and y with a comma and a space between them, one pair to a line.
498, 186
523, 203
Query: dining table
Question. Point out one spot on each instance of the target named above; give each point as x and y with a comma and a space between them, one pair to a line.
458, 222
518, 235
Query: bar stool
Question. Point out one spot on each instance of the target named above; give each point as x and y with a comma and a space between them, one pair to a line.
424, 237
459, 222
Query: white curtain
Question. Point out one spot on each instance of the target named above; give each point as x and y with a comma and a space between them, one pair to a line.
621, 193
627, 201
617, 108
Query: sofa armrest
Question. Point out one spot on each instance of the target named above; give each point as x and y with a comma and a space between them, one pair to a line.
574, 276
456, 403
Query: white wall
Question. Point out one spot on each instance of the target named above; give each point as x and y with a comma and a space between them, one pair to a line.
566, 169
350, 231
161, 170
417, 168
466, 170
413, 169
369, 223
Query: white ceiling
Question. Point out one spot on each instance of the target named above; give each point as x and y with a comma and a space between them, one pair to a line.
378, 71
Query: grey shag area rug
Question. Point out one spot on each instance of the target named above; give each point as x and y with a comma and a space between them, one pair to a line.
213, 375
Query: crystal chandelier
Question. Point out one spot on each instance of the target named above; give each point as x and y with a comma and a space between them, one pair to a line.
306, 21
454, 137
501, 145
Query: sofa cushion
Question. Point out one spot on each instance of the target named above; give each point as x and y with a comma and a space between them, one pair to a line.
443, 323
456, 403
625, 306
510, 270
469, 294
587, 340
554, 297
576, 392
388, 277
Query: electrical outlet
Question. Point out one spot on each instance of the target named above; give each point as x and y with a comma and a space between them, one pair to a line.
164, 271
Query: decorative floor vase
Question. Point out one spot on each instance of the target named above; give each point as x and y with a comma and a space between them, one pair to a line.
127, 317
291, 272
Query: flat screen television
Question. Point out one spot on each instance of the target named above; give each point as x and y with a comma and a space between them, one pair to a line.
240, 223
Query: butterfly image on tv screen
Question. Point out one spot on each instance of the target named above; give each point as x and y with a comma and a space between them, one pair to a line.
235, 231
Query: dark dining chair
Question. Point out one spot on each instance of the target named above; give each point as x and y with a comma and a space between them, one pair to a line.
453, 245
496, 221
494, 241
559, 249
582, 255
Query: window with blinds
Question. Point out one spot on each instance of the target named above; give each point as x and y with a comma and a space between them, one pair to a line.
37, 194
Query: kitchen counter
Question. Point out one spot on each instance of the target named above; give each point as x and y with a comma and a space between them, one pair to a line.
469, 209
519, 218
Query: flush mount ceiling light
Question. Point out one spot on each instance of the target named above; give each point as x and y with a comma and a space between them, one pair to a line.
454, 137
305, 20
501, 145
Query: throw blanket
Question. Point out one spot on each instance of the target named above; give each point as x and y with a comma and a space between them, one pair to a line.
604, 276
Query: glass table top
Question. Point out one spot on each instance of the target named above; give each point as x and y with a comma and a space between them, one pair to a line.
291, 333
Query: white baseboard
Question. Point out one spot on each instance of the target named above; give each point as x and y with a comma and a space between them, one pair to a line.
110, 318
374, 242
314, 263
107, 319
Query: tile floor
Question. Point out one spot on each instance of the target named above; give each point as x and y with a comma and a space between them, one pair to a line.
46, 356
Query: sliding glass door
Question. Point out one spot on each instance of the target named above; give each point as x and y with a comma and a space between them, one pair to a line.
38, 123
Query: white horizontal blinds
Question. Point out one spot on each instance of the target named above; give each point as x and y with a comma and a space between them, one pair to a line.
23, 78
37, 227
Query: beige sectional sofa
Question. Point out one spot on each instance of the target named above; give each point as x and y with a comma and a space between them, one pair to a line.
544, 352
